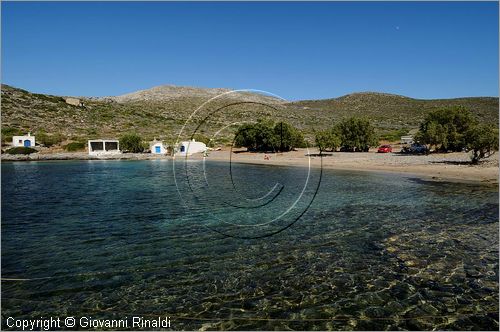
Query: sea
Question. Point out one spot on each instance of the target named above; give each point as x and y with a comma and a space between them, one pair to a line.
216, 245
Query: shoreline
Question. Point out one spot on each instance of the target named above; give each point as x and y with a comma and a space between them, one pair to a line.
450, 167
486, 173
80, 156
388, 171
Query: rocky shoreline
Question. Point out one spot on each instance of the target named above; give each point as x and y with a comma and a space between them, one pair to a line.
80, 156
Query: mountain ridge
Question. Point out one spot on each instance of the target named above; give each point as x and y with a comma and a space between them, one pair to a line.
176, 91
167, 91
162, 116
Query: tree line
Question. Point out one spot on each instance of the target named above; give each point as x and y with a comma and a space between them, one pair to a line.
354, 135
267, 136
443, 130
456, 129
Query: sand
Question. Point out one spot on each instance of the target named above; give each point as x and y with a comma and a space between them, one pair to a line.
449, 166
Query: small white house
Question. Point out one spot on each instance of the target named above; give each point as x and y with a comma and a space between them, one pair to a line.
188, 148
104, 146
26, 140
157, 147
406, 140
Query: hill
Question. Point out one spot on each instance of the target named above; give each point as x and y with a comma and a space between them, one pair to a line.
162, 111
171, 92
393, 111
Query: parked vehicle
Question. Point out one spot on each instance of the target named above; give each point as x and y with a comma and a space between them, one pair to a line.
384, 149
415, 149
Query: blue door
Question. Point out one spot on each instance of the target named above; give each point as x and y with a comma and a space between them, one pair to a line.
27, 143
157, 149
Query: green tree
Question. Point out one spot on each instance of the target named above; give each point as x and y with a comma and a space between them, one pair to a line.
287, 137
131, 143
265, 139
257, 136
483, 141
434, 135
357, 134
327, 140
267, 136
245, 136
445, 129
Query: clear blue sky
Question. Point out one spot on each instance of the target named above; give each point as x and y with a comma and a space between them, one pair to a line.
295, 50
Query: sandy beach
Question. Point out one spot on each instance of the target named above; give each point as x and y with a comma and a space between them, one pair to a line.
445, 166
448, 166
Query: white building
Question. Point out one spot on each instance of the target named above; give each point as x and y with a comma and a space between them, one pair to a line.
157, 147
188, 148
104, 146
26, 140
407, 140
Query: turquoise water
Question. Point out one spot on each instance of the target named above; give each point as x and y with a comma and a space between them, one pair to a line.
110, 239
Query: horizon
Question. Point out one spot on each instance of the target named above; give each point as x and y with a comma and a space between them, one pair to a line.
288, 100
299, 51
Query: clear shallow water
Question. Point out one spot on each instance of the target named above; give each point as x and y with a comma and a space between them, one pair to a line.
373, 251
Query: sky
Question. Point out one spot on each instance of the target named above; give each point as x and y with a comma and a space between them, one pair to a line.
294, 50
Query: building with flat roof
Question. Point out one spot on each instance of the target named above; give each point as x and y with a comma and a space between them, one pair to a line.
103, 146
407, 140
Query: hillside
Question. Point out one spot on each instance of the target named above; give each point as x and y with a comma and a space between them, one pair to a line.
167, 92
393, 111
162, 111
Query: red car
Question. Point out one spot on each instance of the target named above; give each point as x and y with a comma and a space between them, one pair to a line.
385, 149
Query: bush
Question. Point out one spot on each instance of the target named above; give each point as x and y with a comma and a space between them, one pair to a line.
445, 129
21, 150
394, 135
48, 140
75, 146
482, 140
266, 136
131, 143
8, 132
